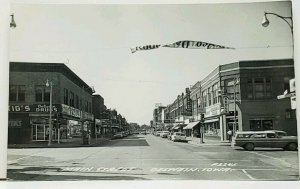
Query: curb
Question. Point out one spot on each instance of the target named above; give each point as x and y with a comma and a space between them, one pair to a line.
209, 144
67, 145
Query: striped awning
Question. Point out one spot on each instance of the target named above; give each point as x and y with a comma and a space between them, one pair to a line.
191, 125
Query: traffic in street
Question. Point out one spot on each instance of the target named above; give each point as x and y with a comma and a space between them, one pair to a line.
150, 157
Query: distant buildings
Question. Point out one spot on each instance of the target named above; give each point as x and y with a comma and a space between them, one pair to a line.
75, 109
237, 96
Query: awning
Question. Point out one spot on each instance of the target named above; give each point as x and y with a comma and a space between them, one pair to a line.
175, 127
211, 120
178, 126
191, 125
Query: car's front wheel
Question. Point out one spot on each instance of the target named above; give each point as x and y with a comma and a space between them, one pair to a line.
249, 146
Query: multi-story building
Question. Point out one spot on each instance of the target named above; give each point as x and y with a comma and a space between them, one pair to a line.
243, 96
29, 102
98, 110
159, 117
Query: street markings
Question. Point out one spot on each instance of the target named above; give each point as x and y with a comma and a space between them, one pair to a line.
99, 169
281, 160
248, 175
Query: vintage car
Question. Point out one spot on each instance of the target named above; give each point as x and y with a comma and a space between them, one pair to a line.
266, 139
164, 134
178, 136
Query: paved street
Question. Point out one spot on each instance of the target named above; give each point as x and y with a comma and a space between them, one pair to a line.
141, 157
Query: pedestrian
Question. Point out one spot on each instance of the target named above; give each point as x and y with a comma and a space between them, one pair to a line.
229, 135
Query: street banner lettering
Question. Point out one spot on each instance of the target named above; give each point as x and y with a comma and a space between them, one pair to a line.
146, 47
195, 45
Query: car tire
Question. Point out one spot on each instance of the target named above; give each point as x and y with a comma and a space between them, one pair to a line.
292, 146
249, 146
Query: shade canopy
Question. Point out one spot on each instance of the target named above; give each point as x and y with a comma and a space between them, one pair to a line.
191, 125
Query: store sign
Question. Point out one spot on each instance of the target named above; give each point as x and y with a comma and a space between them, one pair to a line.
33, 108
14, 123
212, 111
87, 116
71, 111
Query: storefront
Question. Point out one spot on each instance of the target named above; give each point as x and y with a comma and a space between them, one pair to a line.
30, 123
212, 120
212, 127
192, 129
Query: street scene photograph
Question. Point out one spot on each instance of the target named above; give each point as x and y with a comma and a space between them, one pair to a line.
152, 92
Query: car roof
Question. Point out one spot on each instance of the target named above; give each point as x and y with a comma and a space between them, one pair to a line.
255, 132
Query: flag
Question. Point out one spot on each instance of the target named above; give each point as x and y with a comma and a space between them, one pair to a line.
146, 47
195, 45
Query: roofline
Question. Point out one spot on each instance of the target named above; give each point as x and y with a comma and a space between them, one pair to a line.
61, 65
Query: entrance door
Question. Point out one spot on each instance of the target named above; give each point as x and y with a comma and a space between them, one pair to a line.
39, 132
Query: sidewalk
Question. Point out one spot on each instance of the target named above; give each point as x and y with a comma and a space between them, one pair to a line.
64, 143
208, 141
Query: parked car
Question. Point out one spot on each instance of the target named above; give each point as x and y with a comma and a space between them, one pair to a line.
249, 140
178, 136
118, 135
164, 134
157, 133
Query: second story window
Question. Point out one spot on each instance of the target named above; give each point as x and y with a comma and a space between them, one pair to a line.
259, 88
42, 93
76, 101
17, 93
215, 93
66, 96
72, 99
204, 98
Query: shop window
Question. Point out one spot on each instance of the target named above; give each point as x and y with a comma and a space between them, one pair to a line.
17, 93
261, 125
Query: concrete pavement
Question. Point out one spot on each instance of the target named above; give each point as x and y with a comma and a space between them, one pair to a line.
149, 157
66, 143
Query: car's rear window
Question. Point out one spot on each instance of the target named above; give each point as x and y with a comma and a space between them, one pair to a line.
244, 135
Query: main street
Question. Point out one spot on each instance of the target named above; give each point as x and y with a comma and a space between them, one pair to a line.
147, 157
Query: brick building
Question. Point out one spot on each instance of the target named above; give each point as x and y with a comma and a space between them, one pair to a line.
29, 100
240, 96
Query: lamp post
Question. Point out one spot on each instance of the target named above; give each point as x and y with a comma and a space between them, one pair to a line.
50, 112
12, 22
287, 19
236, 81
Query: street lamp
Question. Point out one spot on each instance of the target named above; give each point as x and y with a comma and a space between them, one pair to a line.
287, 19
12, 22
50, 112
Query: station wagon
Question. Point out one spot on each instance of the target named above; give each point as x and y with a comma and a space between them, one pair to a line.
267, 139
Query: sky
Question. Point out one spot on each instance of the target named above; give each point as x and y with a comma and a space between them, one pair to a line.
95, 41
